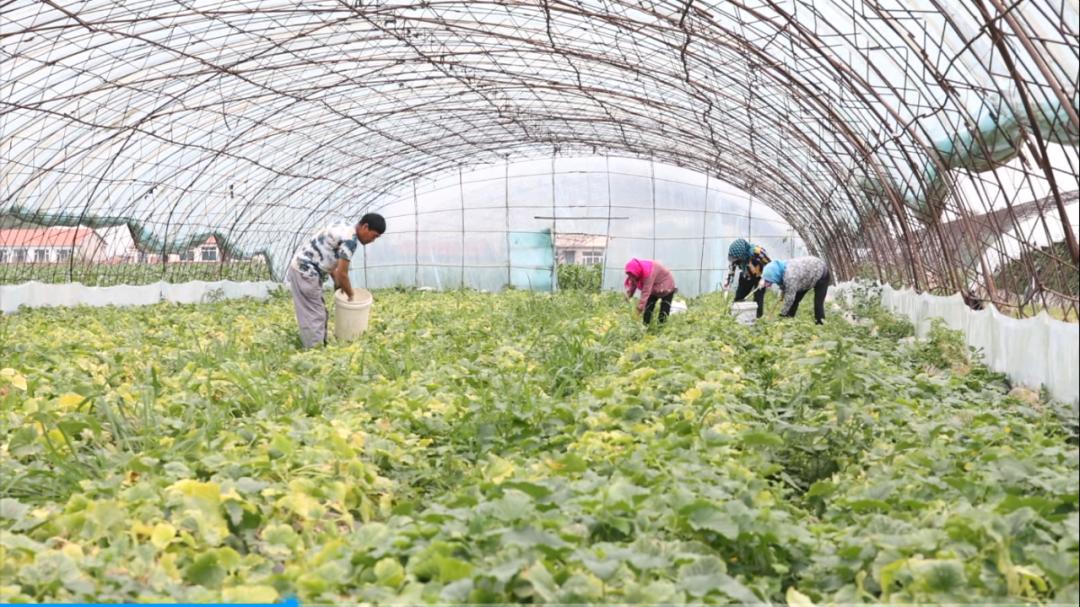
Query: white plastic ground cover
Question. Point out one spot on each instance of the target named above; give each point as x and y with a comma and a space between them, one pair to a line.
1038, 351
36, 294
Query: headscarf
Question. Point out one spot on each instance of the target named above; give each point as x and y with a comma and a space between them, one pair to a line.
638, 269
774, 272
740, 251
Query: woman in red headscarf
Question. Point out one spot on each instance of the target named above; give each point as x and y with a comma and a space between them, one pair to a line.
655, 283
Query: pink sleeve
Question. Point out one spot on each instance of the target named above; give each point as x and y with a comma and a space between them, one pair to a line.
646, 289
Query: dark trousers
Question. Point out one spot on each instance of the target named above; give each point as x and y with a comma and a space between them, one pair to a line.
747, 284
665, 306
820, 288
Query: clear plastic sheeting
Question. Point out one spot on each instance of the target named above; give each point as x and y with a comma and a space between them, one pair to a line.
257, 122
1035, 352
37, 294
511, 223
1032, 232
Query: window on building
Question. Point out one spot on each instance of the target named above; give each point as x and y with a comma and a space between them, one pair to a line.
20, 255
592, 256
3, 256
40, 255
63, 255
209, 253
187, 256
568, 256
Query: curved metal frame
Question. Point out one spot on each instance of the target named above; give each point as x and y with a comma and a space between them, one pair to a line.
845, 118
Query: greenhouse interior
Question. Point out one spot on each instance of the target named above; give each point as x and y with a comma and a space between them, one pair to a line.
399, 302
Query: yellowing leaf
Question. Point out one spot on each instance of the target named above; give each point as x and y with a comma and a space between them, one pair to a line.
56, 437
201, 502
498, 469
797, 599
301, 504
11, 591
141, 528
168, 565
162, 535
208, 492
70, 400
357, 439
692, 394
249, 594
14, 377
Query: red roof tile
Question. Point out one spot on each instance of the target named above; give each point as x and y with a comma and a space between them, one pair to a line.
44, 237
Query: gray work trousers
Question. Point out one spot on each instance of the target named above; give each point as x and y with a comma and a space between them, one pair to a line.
311, 314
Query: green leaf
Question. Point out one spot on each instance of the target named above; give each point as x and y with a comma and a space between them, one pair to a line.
457, 592
12, 509
704, 515
703, 576
503, 572
250, 485
389, 573
534, 490
543, 585
23, 442
939, 575
1040, 504
761, 438
624, 493
738, 591
205, 571
573, 464
452, 569
513, 505
530, 537
312, 584
821, 488
868, 505
602, 568
581, 588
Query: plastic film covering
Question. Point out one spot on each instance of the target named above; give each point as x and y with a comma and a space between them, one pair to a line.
493, 226
910, 141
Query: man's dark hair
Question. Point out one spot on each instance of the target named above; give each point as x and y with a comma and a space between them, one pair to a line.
374, 221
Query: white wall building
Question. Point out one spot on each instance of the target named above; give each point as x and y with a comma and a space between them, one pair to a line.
119, 244
51, 245
580, 249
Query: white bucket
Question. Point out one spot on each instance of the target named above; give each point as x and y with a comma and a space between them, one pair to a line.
678, 307
745, 312
351, 315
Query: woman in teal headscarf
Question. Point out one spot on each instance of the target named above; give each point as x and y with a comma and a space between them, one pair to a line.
749, 260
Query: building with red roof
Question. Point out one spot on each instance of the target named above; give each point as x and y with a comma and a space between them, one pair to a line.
50, 245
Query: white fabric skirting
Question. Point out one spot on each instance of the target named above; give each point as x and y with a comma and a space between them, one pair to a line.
1034, 352
36, 294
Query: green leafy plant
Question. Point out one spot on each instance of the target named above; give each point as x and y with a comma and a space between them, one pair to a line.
519, 447
573, 277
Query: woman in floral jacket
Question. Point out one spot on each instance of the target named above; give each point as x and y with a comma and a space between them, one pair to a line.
796, 277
